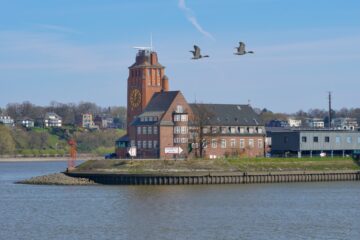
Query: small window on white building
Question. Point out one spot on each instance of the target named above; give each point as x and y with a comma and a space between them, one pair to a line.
224, 130
337, 139
349, 139
232, 130
214, 130
242, 130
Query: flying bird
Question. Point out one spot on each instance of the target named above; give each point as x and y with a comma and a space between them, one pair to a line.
197, 54
241, 49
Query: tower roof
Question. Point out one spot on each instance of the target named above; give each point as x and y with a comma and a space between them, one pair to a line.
146, 58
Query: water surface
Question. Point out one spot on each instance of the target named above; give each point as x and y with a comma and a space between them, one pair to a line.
257, 211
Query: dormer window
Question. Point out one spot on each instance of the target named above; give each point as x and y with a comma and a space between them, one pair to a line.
179, 109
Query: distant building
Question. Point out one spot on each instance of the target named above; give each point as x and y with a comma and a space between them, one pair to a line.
105, 122
315, 123
87, 121
312, 142
294, 122
345, 123
7, 121
51, 119
278, 123
27, 123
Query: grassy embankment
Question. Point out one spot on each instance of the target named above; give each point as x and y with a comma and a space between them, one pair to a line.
221, 165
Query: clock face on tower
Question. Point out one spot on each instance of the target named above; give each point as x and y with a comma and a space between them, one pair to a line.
135, 98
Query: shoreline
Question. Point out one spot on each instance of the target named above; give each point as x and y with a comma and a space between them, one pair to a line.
46, 159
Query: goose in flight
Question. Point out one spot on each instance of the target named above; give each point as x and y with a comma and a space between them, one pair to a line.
197, 54
241, 49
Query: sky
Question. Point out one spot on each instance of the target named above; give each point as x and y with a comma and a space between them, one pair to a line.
71, 51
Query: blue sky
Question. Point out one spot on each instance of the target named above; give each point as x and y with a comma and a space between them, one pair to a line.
72, 51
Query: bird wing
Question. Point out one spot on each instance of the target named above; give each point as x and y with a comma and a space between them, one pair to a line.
197, 50
241, 47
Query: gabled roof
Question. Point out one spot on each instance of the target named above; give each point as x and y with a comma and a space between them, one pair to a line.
226, 114
157, 106
161, 101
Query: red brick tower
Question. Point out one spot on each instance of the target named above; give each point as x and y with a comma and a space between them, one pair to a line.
146, 76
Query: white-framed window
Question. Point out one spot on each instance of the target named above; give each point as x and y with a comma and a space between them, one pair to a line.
177, 117
132, 143
242, 130
144, 144
214, 130
251, 130
184, 117
251, 143
224, 130
184, 129
223, 143
349, 139
183, 140
144, 130
150, 119
138, 130
232, 143
232, 130
149, 144
213, 143
139, 144
155, 144
242, 143
260, 143
177, 140
260, 130
177, 129
155, 130
179, 109
149, 129
205, 130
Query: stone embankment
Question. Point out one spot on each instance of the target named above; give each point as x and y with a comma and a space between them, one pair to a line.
57, 179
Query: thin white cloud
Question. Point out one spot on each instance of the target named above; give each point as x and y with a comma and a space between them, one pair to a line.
192, 19
57, 28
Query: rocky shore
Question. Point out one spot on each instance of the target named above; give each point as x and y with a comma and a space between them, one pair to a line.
57, 179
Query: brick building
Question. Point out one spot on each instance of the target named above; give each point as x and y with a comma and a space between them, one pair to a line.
159, 119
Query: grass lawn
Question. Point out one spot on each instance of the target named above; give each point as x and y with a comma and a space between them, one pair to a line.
230, 164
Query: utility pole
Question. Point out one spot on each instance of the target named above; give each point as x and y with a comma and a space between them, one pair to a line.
330, 110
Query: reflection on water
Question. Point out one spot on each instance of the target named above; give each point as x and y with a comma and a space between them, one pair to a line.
258, 211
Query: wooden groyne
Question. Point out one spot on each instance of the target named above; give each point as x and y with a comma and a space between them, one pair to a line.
191, 178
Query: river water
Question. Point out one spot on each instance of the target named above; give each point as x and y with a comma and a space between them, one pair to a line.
257, 211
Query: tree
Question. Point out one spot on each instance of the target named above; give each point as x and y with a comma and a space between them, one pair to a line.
200, 131
7, 144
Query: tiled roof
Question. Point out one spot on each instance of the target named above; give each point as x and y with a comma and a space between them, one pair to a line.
226, 114
161, 101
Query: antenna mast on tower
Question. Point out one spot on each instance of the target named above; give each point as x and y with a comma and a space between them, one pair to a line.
329, 125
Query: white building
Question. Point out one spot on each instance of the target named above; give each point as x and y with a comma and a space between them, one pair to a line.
294, 122
7, 121
315, 123
52, 120
344, 123
27, 122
